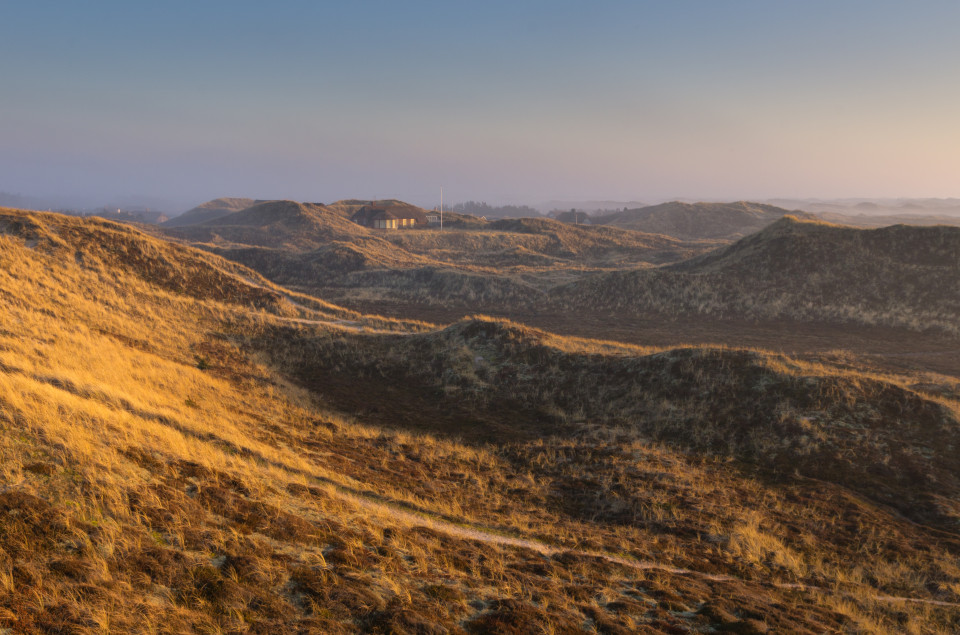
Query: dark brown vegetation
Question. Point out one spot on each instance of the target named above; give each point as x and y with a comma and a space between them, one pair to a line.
878, 348
899, 276
185, 447
490, 379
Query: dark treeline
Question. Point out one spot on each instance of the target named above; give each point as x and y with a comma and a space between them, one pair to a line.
484, 209
12, 200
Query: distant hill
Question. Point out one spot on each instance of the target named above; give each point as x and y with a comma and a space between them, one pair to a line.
896, 276
885, 220
132, 216
304, 244
698, 220
470, 263
302, 227
278, 224
905, 207
210, 211
289, 224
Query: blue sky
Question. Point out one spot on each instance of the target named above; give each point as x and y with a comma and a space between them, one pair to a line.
499, 101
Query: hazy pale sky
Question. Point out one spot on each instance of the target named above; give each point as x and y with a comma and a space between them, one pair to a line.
498, 101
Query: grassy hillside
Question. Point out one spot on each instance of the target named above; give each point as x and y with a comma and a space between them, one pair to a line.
281, 224
873, 434
698, 220
174, 459
109, 248
896, 276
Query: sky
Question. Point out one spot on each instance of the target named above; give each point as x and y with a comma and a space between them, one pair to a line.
519, 101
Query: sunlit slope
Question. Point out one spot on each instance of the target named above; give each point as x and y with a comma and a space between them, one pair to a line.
156, 478
895, 276
122, 255
165, 466
100, 378
282, 224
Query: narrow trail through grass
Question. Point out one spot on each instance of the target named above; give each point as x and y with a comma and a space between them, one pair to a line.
347, 325
467, 531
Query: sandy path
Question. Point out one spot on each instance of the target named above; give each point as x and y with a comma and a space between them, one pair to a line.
489, 537
347, 325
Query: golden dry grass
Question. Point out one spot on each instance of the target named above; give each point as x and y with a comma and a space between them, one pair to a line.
164, 469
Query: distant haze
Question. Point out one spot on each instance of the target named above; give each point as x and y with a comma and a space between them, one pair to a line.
180, 102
